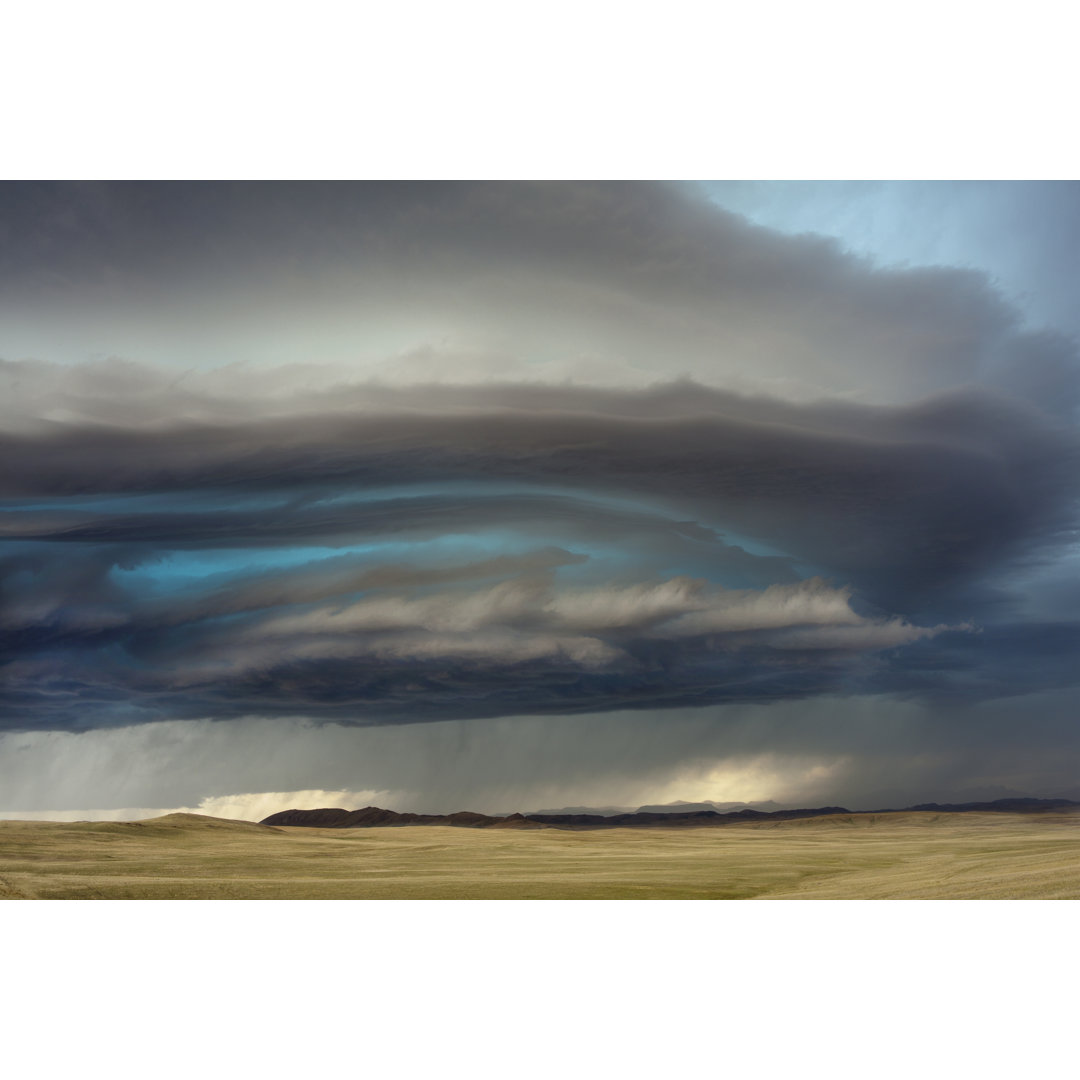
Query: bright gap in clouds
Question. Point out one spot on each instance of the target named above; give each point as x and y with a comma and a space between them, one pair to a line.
1023, 235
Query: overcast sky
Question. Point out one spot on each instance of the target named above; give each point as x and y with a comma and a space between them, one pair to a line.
514, 496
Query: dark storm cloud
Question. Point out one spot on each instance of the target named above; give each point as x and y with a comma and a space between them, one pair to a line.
914, 507
902, 502
1001, 661
491, 548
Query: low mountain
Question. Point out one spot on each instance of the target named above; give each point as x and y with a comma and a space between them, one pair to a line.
1008, 806
375, 817
690, 807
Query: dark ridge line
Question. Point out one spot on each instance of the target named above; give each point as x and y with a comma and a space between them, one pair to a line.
371, 817
1015, 806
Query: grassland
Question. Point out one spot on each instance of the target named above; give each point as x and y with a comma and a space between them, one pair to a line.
853, 856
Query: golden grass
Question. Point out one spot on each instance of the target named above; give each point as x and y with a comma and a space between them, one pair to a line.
851, 856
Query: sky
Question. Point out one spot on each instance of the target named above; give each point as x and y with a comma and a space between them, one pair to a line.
514, 496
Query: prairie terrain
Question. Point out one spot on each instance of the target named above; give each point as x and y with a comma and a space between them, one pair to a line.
907, 855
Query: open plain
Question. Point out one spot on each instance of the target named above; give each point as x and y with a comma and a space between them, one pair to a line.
909, 855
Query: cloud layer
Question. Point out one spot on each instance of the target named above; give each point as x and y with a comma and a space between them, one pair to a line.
381, 563
381, 454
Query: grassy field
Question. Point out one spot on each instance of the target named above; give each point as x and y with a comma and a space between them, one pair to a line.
856, 856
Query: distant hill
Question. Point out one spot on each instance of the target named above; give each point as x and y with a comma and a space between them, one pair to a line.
202, 821
375, 817
678, 807
690, 807
1011, 806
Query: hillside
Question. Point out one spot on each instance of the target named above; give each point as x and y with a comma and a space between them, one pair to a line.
375, 817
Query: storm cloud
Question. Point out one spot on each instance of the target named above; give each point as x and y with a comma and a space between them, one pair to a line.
908, 510
386, 454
